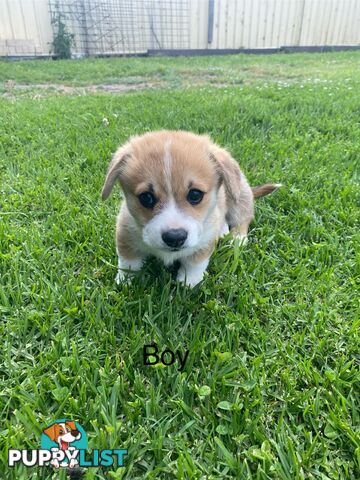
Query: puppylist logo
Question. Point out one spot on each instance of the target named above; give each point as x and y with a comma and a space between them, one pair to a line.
64, 444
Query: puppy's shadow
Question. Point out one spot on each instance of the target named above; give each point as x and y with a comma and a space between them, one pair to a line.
159, 281
155, 268
155, 305
154, 273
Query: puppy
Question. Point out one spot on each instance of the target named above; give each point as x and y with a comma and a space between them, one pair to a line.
182, 193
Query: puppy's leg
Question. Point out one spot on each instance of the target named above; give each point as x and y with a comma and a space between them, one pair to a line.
130, 258
240, 233
241, 213
224, 230
191, 273
127, 267
192, 268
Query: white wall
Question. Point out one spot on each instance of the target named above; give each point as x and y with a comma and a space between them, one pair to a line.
276, 23
25, 27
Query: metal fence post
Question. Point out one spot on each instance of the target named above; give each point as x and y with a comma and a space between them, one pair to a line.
210, 21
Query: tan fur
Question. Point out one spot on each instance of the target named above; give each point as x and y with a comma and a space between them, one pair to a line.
169, 164
125, 233
262, 190
240, 204
142, 158
241, 230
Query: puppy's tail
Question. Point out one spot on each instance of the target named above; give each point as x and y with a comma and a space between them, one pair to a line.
265, 189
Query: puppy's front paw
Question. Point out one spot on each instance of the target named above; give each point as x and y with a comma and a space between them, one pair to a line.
192, 272
239, 240
122, 277
224, 230
119, 277
127, 269
189, 278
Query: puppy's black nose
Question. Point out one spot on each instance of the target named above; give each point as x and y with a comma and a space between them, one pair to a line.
74, 433
175, 237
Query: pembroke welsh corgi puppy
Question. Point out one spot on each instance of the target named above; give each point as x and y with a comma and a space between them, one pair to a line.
182, 192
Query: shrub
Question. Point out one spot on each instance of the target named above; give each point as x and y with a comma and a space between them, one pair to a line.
63, 40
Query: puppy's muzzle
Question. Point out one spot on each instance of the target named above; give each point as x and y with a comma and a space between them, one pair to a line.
175, 237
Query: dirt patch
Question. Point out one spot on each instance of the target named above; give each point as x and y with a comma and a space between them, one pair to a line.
12, 90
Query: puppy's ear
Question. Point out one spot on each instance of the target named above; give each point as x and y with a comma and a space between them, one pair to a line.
52, 432
115, 168
228, 170
71, 424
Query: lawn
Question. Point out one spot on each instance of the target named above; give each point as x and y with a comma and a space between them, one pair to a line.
270, 389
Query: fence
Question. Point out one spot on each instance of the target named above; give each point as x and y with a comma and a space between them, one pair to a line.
118, 27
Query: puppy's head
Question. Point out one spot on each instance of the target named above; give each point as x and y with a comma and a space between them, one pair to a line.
171, 182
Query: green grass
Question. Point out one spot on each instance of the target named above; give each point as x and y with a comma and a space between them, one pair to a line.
271, 386
184, 71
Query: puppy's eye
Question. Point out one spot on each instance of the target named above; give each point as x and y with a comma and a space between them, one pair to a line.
147, 199
195, 196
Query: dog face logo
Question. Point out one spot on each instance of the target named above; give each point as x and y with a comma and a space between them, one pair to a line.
63, 434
